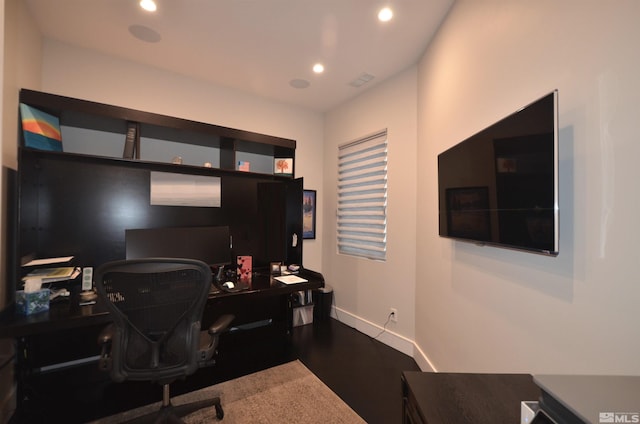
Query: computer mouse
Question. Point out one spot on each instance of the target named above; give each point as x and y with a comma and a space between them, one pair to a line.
228, 285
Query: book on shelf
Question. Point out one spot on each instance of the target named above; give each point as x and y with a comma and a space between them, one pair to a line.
131, 140
52, 275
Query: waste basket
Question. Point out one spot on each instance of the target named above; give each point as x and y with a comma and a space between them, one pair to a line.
322, 300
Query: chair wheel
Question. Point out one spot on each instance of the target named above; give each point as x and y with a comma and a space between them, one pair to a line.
219, 412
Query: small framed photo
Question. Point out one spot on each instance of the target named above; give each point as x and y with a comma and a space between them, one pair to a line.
245, 269
309, 214
275, 267
283, 166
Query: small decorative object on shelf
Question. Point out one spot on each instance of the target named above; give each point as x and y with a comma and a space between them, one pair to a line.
41, 130
245, 269
275, 267
243, 165
283, 166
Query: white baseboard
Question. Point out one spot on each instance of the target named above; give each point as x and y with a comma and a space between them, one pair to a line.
391, 339
422, 360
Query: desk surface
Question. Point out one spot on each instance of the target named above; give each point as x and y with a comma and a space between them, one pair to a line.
459, 398
67, 314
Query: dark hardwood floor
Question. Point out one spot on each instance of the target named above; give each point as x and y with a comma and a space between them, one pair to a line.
362, 371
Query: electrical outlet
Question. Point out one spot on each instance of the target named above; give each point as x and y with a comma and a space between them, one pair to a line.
394, 314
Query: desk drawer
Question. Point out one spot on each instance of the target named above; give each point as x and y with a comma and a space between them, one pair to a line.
47, 349
246, 309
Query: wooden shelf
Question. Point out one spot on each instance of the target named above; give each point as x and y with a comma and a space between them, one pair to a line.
227, 145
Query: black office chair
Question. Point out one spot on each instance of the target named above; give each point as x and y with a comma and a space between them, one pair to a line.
157, 305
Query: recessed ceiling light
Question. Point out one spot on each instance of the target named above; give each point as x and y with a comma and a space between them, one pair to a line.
385, 14
318, 68
148, 5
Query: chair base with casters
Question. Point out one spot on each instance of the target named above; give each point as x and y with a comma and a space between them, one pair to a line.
170, 413
157, 305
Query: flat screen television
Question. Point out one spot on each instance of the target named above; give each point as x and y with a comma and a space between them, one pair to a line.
499, 187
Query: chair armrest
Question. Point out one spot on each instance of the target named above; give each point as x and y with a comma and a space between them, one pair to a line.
209, 339
221, 324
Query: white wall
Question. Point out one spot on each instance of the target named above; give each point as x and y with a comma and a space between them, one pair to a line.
492, 310
85, 74
22, 65
364, 290
19, 62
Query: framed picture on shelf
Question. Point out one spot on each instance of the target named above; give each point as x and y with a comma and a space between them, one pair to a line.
309, 214
283, 166
275, 267
40, 130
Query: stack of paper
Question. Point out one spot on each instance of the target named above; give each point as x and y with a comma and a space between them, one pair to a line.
48, 261
290, 279
51, 275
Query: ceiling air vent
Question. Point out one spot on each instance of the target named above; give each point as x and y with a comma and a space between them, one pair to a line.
361, 80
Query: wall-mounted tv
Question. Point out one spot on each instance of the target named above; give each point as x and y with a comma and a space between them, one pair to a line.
499, 187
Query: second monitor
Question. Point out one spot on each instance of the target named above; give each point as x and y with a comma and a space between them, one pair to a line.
211, 245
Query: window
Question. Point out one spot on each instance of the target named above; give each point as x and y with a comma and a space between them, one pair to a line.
362, 197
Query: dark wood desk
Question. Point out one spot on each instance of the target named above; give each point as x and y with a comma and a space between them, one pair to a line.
68, 314
459, 398
67, 333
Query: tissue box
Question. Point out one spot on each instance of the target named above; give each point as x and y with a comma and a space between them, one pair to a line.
31, 303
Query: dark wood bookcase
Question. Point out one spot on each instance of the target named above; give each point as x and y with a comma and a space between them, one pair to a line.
81, 204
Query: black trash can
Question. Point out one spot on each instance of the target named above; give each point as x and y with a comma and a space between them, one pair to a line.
322, 300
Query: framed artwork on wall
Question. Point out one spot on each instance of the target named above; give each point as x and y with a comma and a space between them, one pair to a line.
309, 214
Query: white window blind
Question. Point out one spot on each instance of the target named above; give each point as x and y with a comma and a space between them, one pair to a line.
362, 197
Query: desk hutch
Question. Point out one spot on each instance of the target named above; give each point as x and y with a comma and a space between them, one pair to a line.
80, 201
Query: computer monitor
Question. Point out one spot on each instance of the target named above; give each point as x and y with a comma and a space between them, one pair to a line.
211, 245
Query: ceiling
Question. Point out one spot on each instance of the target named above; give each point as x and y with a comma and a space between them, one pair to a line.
257, 46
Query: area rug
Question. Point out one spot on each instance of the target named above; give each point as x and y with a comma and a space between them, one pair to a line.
287, 393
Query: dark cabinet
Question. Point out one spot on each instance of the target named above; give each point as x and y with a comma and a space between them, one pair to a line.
458, 398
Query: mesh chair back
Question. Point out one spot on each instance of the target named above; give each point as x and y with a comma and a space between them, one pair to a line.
157, 305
